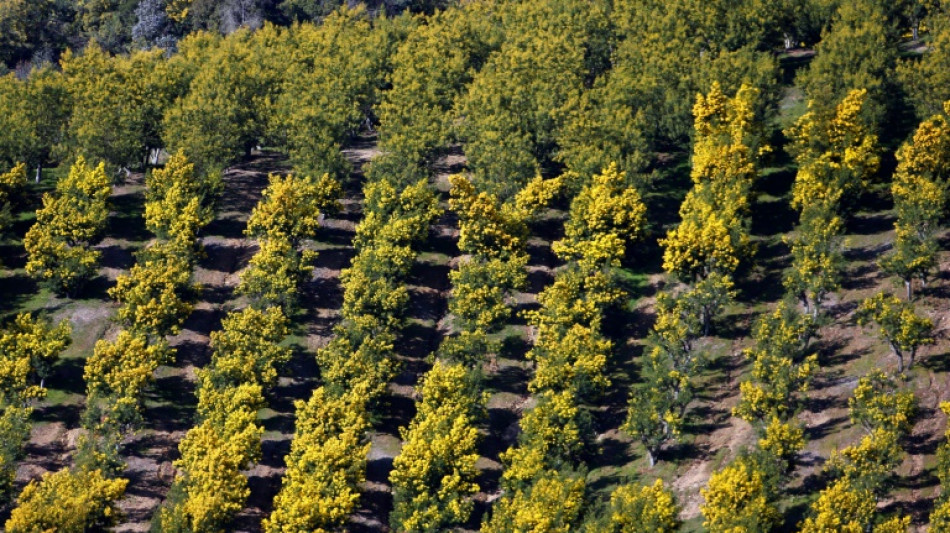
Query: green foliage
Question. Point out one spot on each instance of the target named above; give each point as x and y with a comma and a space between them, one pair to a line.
118, 104
510, 115
33, 115
654, 415
328, 87
924, 79
431, 67
218, 119
58, 243
71, 501
856, 52
14, 433
11, 184
899, 325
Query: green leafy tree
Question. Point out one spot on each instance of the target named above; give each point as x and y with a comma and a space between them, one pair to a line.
218, 120
857, 52
925, 79
510, 118
11, 183
118, 104
431, 68
654, 415
14, 433
328, 88
33, 116
817, 258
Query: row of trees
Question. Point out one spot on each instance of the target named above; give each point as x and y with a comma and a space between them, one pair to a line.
702, 252
837, 154
155, 299
542, 486
302, 90
327, 461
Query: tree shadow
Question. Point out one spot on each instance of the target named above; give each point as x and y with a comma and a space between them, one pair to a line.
15, 291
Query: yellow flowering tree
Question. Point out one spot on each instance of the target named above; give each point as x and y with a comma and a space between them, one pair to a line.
899, 325
57, 245
71, 501
919, 199
841, 507
636, 508
781, 368
326, 464
434, 474
605, 216
868, 464
11, 183
118, 372
551, 505
877, 403
738, 498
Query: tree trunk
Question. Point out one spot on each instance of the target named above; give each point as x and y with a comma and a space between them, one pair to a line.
900, 360
789, 44
913, 356
909, 285
39, 172
916, 30
651, 458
